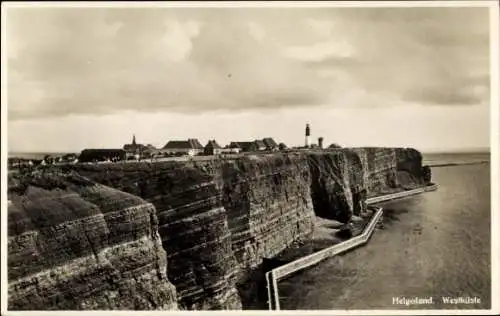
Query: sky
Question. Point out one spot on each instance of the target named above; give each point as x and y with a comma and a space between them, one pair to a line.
92, 77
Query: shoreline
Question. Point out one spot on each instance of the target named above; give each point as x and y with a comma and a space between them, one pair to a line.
451, 164
282, 272
326, 231
426, 256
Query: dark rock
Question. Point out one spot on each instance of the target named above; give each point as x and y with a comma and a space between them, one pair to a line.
345, 232
427, 174
74, 244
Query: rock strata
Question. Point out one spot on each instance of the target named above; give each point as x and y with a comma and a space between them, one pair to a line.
74, 244
219, 219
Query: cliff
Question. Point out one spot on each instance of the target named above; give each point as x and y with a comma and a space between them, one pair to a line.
74, 244
218, 219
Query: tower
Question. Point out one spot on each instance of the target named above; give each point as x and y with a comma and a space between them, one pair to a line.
133, 140
308, 135
320, 142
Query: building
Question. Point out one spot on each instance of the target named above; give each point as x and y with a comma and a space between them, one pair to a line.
260, 145
308, 136
271, 145
229, 151
232, 148
132, 147
148, 151
320, 142
212, 148
191, 147
94, 155
135, 150
257, 145
244, 146
69, 157
282, 146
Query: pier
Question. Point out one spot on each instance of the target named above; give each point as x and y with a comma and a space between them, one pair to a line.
400, 195
274, 276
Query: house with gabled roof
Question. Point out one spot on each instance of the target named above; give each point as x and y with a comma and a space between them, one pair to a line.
270, 144
92, 155
260, 145
191, 147
334, 146
134, 148
244, 146
257, 145
212, 148
232, 148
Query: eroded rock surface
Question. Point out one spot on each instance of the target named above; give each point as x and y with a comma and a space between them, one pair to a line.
74, 244
219, 219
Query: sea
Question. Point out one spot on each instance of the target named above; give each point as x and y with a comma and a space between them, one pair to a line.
35, 155
433, 252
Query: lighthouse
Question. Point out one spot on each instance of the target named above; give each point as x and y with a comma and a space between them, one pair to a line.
308, 136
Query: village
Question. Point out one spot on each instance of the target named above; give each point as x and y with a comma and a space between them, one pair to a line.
187, 149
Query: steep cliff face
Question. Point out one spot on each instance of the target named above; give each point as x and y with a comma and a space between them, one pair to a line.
338, 185
219, 219
268, 205
192, 224
410, 172
379, 168
343, 178
74, 244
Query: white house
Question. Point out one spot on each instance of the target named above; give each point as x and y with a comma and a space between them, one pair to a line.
189, 147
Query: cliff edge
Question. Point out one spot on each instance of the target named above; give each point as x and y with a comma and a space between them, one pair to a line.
77, 245
219, 219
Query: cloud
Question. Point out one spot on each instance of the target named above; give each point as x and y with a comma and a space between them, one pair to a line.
176, 42
430, 56
321, 51
470, 91
104, 60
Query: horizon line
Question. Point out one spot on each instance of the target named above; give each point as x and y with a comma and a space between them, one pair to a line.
427, 151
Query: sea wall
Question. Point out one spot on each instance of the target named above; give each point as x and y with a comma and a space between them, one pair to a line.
218, 219
74, 244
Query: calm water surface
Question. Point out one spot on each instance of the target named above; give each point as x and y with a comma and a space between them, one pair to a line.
436, 244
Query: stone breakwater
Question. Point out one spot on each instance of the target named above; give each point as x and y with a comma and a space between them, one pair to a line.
218, 219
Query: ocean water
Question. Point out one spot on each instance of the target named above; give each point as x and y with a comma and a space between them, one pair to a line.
35, 155
432, 159
433, 245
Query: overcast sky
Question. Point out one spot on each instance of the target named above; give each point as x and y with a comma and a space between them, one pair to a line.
92, 77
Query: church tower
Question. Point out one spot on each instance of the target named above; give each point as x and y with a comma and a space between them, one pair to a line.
308, 136
133, 140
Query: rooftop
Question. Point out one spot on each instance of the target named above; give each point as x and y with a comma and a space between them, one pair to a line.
191, 143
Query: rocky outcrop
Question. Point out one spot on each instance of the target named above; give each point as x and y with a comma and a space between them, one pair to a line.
74, 244
410, 172
342, 179
219, 219
427, 174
